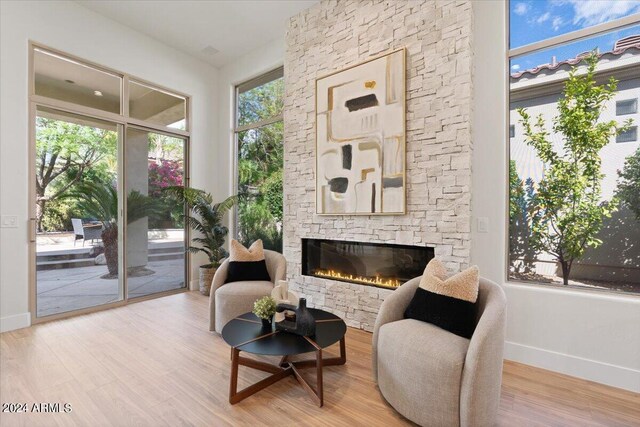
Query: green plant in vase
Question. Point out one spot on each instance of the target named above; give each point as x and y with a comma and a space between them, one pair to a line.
208, 223
265, 308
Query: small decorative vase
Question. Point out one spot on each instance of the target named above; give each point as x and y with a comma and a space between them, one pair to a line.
304, 323
283, 295
266, 323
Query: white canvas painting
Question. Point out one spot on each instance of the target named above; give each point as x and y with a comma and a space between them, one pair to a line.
360, 137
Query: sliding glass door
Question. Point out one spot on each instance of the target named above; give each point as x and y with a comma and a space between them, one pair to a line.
155, 238
107, 151
76, 198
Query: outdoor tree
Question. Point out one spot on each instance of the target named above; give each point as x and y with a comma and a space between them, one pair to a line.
629, 183
568, 204
165, 147
64, 152
260, 163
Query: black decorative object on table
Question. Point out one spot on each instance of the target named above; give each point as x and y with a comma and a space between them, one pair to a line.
266, 323
304, 324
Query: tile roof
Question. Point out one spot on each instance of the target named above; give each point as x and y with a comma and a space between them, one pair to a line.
630, 43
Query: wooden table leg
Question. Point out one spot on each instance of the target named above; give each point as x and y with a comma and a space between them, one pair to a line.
282, 370
254, 388
315, 393
233, 380
277, 372
283, 361
329, 361
319, 391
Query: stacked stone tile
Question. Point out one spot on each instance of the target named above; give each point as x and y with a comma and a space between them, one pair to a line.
336, 34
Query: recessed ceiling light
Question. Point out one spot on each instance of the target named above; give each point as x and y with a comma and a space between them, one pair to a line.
97, 93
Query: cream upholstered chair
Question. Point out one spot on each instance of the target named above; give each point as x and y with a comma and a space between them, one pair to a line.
229, 300
436, 378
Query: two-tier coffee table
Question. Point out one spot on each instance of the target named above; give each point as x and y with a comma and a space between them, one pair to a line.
246, 333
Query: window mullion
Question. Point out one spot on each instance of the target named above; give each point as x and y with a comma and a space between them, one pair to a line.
575, 36
260, 124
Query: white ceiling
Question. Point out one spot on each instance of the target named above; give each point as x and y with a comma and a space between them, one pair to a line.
233, 27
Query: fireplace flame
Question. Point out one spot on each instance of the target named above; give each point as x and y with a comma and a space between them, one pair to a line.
376, 281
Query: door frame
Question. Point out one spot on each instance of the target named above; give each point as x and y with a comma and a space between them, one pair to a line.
123, 122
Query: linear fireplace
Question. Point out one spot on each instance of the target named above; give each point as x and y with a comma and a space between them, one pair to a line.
374, 264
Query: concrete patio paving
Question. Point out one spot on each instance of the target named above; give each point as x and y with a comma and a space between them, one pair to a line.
70, 284
63, 290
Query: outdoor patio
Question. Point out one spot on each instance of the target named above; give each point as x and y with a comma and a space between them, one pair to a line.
68, 278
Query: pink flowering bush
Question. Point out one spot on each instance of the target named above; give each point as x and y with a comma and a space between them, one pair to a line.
168, 173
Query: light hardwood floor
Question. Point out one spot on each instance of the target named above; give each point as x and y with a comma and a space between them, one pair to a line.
155, 364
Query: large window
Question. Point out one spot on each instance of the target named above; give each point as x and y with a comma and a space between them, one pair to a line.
574, 167
260, 155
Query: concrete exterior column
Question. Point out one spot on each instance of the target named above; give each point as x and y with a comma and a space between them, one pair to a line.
137, 179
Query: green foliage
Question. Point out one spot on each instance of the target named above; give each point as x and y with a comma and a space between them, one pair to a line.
65, 153
569, 210
59, 211
207, 222
516, 190
264, 307
70, 153
272, 190
629, 183
260, 163
257, 222
165, 146
99, 200
261, 102
58, 215
522, 207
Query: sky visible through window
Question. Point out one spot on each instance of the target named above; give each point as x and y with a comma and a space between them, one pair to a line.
535, 20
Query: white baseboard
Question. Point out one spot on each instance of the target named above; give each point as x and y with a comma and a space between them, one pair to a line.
17, 321
592, 370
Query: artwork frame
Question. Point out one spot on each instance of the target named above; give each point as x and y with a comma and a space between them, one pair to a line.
357, 180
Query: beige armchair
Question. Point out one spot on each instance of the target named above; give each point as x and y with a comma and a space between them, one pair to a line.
229, 300
436, 378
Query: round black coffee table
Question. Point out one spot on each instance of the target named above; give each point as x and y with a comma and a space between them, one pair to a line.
246, 333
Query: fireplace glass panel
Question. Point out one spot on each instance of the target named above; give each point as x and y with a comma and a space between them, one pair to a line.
374, 264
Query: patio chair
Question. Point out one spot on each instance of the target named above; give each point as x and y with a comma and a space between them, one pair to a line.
85, 231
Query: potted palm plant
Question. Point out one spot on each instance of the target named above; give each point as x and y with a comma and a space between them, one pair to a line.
99, 200
207, 222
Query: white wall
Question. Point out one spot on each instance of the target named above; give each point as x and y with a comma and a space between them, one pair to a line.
253, 64
585, 334
74, 29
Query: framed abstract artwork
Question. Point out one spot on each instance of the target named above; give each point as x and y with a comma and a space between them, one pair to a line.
360, 138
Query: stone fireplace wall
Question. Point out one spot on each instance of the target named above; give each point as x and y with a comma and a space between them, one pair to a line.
335, 34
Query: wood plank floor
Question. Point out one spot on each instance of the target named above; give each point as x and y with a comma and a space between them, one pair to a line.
155, 364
